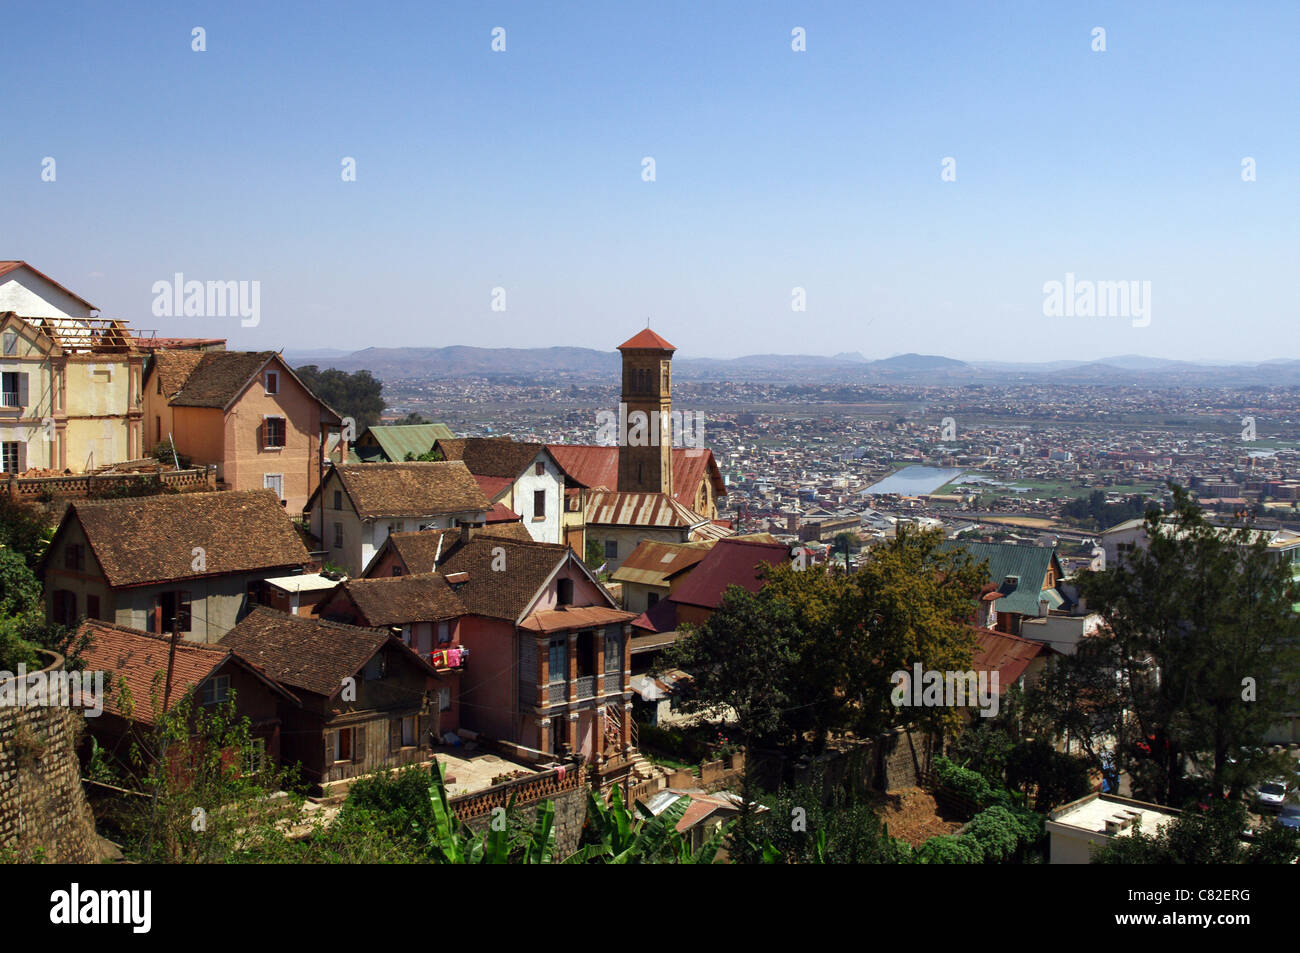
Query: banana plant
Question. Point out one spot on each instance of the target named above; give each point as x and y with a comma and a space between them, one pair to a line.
621, 837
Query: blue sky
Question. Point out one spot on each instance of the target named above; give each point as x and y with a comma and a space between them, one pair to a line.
775, 169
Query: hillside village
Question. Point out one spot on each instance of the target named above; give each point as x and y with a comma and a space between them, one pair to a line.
510, 614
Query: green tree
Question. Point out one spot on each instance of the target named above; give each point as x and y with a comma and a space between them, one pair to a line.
1205, 833
1053, 777
733, 669
358, 395
207, 792
803, 826
23, 627
1207, 642
24, 528
910, 603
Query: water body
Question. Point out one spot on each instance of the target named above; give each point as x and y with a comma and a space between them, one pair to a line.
914, 480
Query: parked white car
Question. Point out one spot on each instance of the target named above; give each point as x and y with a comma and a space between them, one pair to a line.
1271, 795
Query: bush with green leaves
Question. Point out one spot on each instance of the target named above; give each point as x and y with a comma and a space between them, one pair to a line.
1055, 777
972, 785
1204, 833
949, 849
803, 826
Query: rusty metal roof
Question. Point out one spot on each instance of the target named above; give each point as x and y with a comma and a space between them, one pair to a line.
651, 563
607, 508
574, 617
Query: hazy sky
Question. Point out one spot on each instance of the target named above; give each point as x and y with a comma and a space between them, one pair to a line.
774, 169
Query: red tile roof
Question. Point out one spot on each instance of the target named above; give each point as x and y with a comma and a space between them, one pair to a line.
646, 340
500, 513
731, 562
595, 466
1008, 655
492, 486
660, 617
140, 660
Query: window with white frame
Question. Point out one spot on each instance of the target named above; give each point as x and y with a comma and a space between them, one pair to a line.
273, 382
273, 431
11, 342
9, 456
10, 386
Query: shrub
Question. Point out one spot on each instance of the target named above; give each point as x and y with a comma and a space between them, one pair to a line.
949, 849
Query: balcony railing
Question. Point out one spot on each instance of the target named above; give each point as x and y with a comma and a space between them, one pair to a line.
8, 398
586, 687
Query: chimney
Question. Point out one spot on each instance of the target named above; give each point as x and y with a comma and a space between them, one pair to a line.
465, 532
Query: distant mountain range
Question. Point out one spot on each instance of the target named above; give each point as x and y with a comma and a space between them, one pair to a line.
580, 363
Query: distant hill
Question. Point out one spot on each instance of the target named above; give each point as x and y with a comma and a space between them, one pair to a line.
581, 364
919, 362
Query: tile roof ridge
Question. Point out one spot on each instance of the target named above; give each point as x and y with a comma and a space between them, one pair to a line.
162, 637
317, 620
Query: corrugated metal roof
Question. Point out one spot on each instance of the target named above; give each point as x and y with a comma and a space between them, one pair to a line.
574, 617
1029, 564
638, 509
651, 563
1008, 655
397, 440
732, 562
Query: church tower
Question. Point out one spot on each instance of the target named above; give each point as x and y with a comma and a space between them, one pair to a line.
645, 458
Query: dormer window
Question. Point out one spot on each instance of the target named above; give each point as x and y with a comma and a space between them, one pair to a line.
273, 382
564, 592
11, 342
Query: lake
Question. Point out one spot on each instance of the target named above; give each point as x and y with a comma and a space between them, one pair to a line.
914, 481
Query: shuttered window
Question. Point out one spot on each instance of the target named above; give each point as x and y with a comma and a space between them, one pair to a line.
273, 433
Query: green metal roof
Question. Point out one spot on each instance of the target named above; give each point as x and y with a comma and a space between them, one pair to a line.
1028, 563
397, 440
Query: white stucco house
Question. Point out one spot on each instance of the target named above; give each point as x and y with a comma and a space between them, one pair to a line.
523, 477
358, 505
32, 294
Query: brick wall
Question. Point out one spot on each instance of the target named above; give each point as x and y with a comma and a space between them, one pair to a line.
896, 759
570, 816
43, 809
